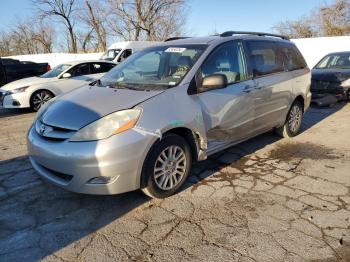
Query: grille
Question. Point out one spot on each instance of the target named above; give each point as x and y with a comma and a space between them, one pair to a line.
324, 85
53, 132
64, 177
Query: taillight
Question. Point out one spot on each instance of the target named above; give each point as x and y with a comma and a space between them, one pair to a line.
48, 68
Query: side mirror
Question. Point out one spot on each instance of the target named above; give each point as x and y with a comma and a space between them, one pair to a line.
66, 75
215, 81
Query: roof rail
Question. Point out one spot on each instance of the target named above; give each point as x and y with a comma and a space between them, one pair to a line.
176, 38
231, 33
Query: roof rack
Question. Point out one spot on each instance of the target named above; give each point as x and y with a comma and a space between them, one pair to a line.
231, 33
176, 38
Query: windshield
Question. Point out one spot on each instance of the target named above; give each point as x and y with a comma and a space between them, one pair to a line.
154, 68
110, 54
335, 61
56, 71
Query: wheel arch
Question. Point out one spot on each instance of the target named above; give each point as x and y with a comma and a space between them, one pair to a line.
38, 90
300, 99
192, 138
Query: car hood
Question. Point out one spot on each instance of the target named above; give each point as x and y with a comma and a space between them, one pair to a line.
85, 105
26, 82
331, 75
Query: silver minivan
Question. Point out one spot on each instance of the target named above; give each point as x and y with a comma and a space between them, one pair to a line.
146, 121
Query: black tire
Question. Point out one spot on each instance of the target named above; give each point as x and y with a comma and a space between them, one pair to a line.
39, 98
289, 130
180, 147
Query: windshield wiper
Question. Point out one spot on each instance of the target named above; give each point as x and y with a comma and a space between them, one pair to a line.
123, 86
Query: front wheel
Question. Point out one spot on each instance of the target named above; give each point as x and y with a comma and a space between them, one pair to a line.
293, 123
167, 166
39, 98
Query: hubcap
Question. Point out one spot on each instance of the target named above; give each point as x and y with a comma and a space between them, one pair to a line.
295, 119
40, 99
170, 167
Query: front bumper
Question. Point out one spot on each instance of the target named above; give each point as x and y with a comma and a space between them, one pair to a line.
19, 100
320, 89
73, 165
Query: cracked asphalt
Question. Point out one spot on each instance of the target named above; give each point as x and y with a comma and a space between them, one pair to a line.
267, 199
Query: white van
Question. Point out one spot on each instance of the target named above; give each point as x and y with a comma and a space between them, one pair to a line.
121, 50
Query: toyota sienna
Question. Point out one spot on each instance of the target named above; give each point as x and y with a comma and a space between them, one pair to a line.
144, 123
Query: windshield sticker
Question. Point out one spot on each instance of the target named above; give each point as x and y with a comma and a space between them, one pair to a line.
175, 50
172, 83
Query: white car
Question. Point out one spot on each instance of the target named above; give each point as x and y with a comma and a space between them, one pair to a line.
119, 51
33, 92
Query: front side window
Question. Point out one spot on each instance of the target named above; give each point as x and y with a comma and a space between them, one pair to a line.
56, 71
227, 60
264, 58
154, 68
110, 54
125, 55
336, 61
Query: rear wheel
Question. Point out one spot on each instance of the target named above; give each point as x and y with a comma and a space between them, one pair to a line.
39, 98
293, 123
167, 166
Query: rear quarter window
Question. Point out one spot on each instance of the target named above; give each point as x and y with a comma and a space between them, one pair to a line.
264, 58
292, 57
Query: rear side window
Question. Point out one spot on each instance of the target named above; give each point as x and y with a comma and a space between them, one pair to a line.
98, 68
264, 58
293, 59
80, 70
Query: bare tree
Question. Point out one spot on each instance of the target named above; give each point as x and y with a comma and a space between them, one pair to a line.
44, 35
327, 20
27, 37
301, 28
94, 16
335, 19
63, 9
147, 19
5, 45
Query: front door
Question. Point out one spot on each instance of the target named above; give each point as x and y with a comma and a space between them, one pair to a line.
228, 113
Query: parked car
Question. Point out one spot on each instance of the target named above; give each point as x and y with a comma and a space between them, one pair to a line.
119, 51
11, 70
332, 76
145, 122
33, 92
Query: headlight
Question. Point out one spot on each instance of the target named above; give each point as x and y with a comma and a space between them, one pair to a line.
345, 83
108, 126
17, 90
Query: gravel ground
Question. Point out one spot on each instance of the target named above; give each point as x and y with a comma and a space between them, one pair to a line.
268, 199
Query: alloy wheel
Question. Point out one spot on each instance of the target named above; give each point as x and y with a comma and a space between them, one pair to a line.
295, 117
170, 167
40, 98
